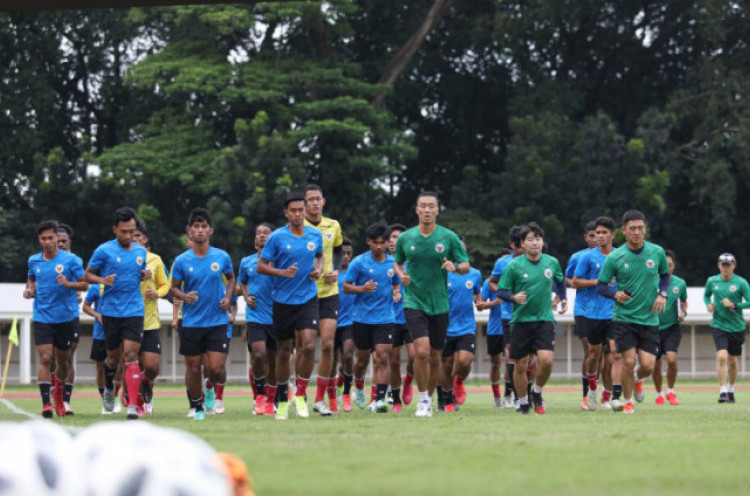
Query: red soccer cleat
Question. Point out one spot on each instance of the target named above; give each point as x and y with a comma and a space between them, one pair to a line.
397, 408
260, 405
450, 407
659, 400
333, 404
58, 399
408, 389
672, 398
347, 398
47, 411
459, 391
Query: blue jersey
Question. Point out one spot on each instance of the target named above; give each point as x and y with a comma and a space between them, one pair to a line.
260, 286
346, 304
230, 327
52, 304
123, 298
74, 295
495, 322
375, 307
570, 271
461, 291
592, 304
497, 272
285, 249
203, 275
93, 296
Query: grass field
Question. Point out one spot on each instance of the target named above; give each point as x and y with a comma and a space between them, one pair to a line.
699, 447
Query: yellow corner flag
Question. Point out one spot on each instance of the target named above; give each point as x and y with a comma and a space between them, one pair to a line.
13, 336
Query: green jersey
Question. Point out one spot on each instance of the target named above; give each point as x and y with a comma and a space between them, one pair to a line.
638, 273
677, 292
521, 274
736, 289
423, 256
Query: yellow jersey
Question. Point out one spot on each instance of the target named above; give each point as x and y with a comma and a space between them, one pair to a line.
158, 282
332, 237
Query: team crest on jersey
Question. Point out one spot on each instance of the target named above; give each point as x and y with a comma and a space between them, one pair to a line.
310, 246
215, 266
626, 266
732, 288
118, 259
525, 276
329, 235
469, 284
450, 285
650, 263
548, 273
139, 260
675, 290
389, 272
59, 268
440, 248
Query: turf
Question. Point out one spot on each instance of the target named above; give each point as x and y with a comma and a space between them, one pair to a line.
695, 448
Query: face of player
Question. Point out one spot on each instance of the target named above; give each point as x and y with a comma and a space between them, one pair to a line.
377, 247
670, 265
392, 241
48, 240
532, 245
604, 236
591, 238
727, 270
295, 213
200, 232
261, 236
314, 203
125, 230
63, 241
635, 233
346, 256
140, 238
427, 209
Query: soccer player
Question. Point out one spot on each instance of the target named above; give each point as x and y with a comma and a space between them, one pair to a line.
401, 337
256, 289
371, 278
121, 266
203, 278
669, 332
54, 276
424, 256
98, 347
725, 296
527, 282
594, 318
463, 293
640, 268
294, 256
344, 342
153, 288
328, 290
495, 347
589, 236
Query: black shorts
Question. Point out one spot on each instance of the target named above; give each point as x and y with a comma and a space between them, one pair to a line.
118, 329
730, 341
530, 337
422, 325
328, 307
579, 329
366, 336
260, 332
595, 331
151, 341
59, 335
464, 342
98, 350
495, 344
198, 340
401, 335
287, 319
507, 330
77, 332
343, 333
669, 340
638, 336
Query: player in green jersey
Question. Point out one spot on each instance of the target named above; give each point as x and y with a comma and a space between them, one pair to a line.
669, 332
730, 294
424, 256
640, 268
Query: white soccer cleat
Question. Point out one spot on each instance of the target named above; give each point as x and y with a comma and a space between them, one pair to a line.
68, 409
508, 401
191, 413
591, 400
218, 407
322, 408
118, 406
424, 409
148, 408
616, 405
606, 405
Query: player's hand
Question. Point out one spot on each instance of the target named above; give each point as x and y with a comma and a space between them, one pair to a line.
480, 305
251, 301
681, 316
331, 276
555, 301
396, 296
99, 319
110, 280
29, 293
315, 274
191, 297
659, 305
290, 271
151, 294
563, 307
448, 265
406, 280
224, 304
370, 286
174, 323
727, 303
621, 297
79, 297
231, 318
520, 298
146, 274
710, 308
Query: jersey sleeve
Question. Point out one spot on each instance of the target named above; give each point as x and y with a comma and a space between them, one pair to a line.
683, 291
30, 273
477, 282
399, 256
178, 271
76, 268
92, 295
663, 268
507, 280
270, 250
558, 275
242, 277
162, 281
570, 270
98, 259
581, 269
707, 292
318, 243
486, 290
608, 270
352, 272
338, 237
226, 264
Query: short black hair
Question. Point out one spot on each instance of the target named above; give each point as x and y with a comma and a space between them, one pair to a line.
270, 226
671, 255
293, 196
62, 227
377, 230
605, 221
346, 241
313, 187
514, 235
141, 226
632, 215
589, 226
47, 225
123, 214
503, 252
531, 227
429, 193
397, 227
200, 214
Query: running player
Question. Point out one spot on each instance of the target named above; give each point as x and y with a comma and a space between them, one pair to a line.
328, 290
207, 297
401, 337
526, 282
53, 278
495, 347
257, 291
294, 256
640, 268
344, 343
121, 265
725, 296
153, 288
424, 256
98, 348
372, 280
669, 332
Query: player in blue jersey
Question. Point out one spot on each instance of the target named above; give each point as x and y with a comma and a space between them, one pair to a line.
203, 278
495, 345
294, 256
372, 279
53, 278
120, 265
594, 321
257, 291
98, 348
463, 294
344, 342
589, 236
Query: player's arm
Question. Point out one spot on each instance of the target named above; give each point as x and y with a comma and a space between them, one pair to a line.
29, 291
317, 267
578, 281
368, 287
89, 310
401, 273
744, 295
660, 302
505, 289
707, 294
162, 281
229, 285
92, 276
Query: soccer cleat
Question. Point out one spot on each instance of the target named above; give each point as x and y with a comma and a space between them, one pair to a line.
450, 407
381, 406
359, 398
659, 400
606, 405
68, 409
347, 401
638, 391
730, 398
200, 415
498, 402
210, 397
424, 409
333, 405
47, 411
322, 408
260, 405
397, 408
118, 406
584, 404
300, 407
459, 391
191, 413
723, 398
672, 398
58, 401
628, 408
218, 408
270, 407
283, 411
105, 412
616, 405
591, 400
141, 411
132, 412
523, 409
108, 400
538, 403
408, 391
148, 407
508, 401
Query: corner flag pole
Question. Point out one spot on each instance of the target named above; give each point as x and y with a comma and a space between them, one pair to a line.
12, 339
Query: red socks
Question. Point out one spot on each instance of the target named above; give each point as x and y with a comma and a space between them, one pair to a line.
332, 388
496, 389
320, 393
592, 381
132, 381
302, 386
359, 383
340, 381
219, 389
270, 393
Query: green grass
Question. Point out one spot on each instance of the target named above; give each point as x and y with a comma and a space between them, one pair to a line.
696, 448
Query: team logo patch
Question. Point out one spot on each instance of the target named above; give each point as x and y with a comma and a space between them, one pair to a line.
675, 290
215, 266
190, 269
412, 248
469, 284
311, 246
389, 272
59, 268
626, 266
548, 273
118, 259
732, 288
525, 276
650, 263
440, 248
288, 247
329, 235
139, 260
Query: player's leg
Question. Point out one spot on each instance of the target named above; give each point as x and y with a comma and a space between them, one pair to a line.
68, 388
657, 378
193, 383
408, 381
328, 313
150, 358
382, 340
304, 366
445, 385
462, 361
215, 363
130, 351
647, 344
44, 351
734, 350
496, 362
363, 351
283, 370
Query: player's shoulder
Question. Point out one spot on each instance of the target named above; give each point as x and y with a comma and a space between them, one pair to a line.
218, 252
279, 233
678, 280
654, 248
152, 257
313, 231
713, 278
184, 256
36, 258
474, 272
329, 223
